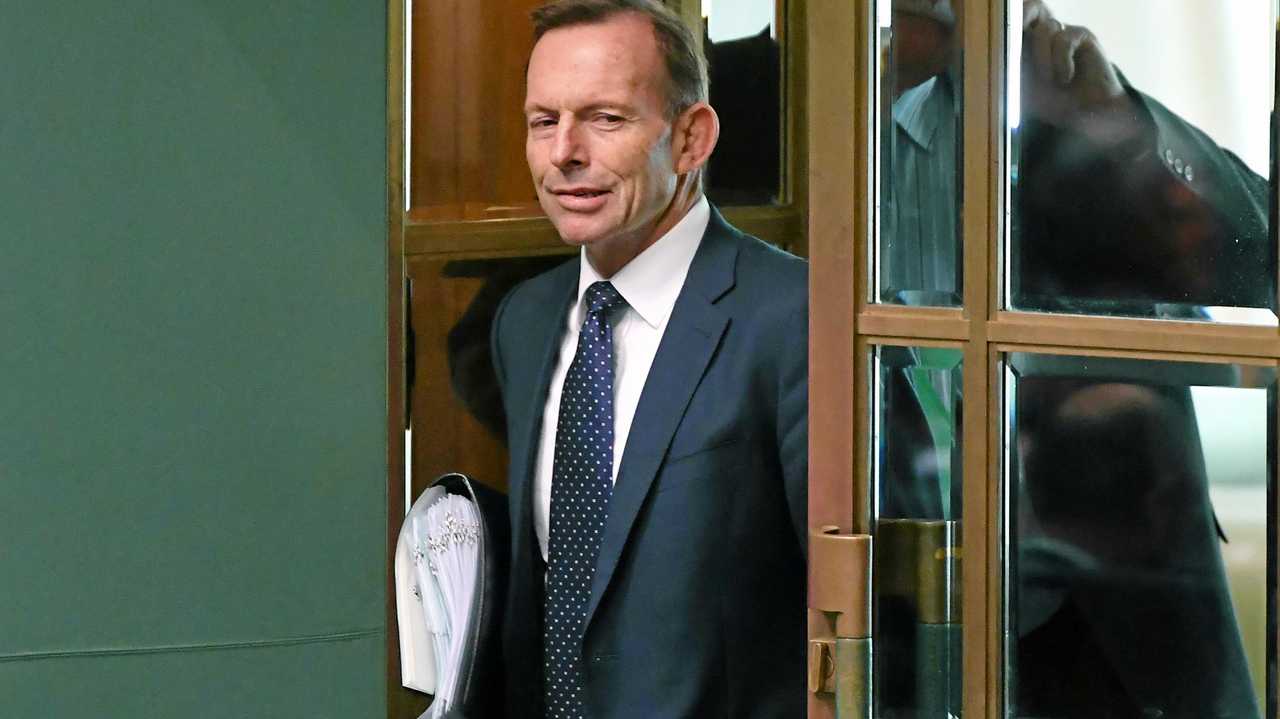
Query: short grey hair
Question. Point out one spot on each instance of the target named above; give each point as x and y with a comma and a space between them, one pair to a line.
686, 65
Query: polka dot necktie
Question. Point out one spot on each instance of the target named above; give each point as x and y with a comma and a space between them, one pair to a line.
581, 484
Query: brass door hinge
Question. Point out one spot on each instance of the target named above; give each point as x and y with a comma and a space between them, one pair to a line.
840, 588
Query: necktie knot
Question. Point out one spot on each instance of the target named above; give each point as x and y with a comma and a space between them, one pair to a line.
602, 297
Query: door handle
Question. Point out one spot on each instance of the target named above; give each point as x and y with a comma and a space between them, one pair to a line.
919, 565
840, 588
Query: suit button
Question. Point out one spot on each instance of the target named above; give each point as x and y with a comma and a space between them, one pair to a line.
1168, 156
1152, 713
1186, 172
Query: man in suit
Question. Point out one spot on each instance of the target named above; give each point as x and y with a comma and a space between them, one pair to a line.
655, 388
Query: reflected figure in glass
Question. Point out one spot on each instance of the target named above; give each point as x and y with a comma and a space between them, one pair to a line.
920, 255
1119, 206
1119, 598
746, 84
917, 558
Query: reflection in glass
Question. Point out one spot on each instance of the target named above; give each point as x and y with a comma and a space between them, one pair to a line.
1126, 480
455, 403
918, 249
745, 57
1138, 169
917, 534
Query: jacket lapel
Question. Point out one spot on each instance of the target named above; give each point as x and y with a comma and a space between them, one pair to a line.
690, 340
546, 329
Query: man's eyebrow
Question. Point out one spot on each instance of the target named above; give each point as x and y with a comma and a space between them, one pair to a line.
617, 107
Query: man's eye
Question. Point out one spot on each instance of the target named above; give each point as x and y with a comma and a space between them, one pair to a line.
540, 122
608, 119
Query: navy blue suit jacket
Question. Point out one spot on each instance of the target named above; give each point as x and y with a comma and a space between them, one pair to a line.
697, 607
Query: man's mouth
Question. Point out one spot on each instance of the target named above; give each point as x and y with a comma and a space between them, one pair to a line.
581, 199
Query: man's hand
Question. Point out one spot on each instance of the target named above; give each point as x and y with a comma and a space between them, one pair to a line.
1068, 80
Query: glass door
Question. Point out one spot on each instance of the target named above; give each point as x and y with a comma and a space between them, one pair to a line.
1043, 351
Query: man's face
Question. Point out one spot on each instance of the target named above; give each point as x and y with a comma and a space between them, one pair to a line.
599, 140
925, 34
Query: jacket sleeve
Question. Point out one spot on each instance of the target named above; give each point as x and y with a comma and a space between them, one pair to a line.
1167, 216
793, 420
495, 344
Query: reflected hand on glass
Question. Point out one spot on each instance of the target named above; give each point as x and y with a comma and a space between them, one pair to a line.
1067, 79
1121, 206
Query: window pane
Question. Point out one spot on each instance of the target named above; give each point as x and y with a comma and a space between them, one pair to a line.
744, 49
1139, 159
467, 131
918, 254
1137, 577
917, 535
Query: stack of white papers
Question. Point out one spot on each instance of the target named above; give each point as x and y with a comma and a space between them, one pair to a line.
437, 566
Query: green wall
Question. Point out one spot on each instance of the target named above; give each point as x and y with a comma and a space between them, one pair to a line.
192, 358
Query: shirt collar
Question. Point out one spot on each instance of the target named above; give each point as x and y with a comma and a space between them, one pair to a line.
651, 282
919, 110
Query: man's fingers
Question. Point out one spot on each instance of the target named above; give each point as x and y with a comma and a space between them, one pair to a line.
1034, 12
1038, 45
1092, 65
1064, 44
1081, 67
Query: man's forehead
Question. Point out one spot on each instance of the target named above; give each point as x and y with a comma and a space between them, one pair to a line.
619, 51
941, 10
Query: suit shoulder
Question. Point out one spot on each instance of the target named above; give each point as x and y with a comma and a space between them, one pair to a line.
531, 297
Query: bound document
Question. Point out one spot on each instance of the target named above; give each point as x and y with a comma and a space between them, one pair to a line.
448, 568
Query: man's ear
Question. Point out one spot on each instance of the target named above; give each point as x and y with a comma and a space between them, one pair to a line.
694, 136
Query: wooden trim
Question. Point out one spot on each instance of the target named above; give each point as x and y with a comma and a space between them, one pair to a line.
1078, 351
874, 341
1145, 335
981, 220
838, 41
916, 322
395, 367
833, 236
481, 237
1106, 334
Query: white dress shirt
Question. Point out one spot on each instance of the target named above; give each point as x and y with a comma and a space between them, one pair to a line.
650, 284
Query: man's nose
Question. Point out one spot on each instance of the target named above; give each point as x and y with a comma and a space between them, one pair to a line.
567, 148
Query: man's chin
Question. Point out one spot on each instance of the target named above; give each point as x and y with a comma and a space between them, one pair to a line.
578, 234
